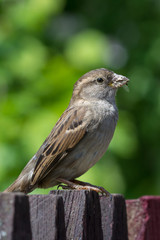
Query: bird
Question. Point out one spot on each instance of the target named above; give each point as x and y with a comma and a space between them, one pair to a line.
80, 137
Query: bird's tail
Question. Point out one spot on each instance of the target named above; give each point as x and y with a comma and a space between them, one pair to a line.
14, 187
20, 186
23, 183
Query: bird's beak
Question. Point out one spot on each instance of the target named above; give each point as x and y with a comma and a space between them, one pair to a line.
118, 81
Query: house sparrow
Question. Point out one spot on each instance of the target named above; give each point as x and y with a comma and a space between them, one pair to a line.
80, 137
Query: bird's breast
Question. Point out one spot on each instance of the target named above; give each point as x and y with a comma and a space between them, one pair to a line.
91, 148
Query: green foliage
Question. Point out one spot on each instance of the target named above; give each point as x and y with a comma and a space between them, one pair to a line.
45, 46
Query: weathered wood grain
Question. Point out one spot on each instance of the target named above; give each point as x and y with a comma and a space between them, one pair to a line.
47, 217
113, 217
90, 216
14, 217
79, 215
82, 214
143, 217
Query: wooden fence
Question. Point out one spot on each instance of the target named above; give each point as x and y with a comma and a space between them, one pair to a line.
78, 215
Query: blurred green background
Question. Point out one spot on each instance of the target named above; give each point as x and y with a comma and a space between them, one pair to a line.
45, 46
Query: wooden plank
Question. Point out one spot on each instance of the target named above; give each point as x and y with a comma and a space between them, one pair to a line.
14, 217
144, 218
114, 218
47, 217
82, 214
90, 216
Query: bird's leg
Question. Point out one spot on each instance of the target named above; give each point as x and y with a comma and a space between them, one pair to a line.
62, 186
69, 184
79, 185
101, 189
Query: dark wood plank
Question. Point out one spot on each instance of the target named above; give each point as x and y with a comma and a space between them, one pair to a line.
144, 218
82, 214
47, 217
114, 218
14, 217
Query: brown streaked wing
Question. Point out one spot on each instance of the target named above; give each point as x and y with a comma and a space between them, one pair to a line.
66, 134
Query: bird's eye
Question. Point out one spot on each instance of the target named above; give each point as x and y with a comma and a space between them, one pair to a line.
100, 80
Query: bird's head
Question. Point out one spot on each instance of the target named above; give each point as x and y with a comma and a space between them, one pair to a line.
98, 84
